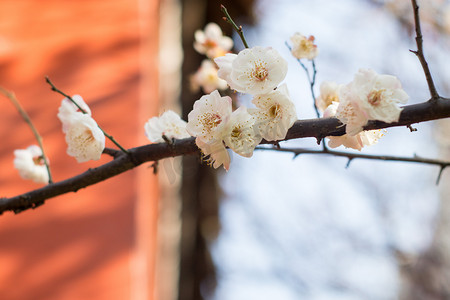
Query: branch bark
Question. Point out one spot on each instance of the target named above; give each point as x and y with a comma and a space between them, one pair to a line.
318, 128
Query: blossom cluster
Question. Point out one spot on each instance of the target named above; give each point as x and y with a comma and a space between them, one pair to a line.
257, 71
370, 96
212, 43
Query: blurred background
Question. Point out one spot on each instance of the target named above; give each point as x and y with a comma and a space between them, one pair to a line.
272, 227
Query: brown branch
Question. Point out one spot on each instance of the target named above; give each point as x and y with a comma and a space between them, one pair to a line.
420, 55
318, 128
351, 155
120, 164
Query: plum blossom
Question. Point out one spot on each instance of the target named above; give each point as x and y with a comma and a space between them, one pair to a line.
207, 78
275, 114
208, 119
84, 138
378, 95
30, 164
255, 71
68, 108
358, 141
303, 47
329, 93
370, 96
168, 124
240, 136
218, 154
212, 42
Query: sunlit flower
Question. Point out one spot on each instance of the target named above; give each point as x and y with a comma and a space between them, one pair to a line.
212, 42
358, 141
168, 124
350, 114
329, 93
209, 117
30, 164
225, 64
254, 71
216, 153
370, 96
206, 77
240, 136
84, 138
275, 114
68, 108
378, 95
303, 47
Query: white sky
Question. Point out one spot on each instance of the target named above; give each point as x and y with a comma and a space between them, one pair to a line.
309, 228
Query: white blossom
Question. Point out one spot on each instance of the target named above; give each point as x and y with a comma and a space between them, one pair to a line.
378, 95
254, 71
303, 47
67, 109
370, 96
168, 124
240, 136
225, 64
30, 164
358, 141
349, 113
275, 114
208, 119
218, 154
329, 93
212, 42
84, 138
207, 78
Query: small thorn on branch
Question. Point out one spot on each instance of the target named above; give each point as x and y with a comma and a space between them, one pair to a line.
412, 129
276, 145
154, 165
348, 162
440, 174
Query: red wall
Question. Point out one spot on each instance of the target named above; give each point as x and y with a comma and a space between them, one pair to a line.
93, 244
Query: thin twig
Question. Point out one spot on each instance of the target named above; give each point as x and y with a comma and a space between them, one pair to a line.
311, 79
420, 54
312, 82
27, 119
237, 28
351, 156
111, 152
84, 112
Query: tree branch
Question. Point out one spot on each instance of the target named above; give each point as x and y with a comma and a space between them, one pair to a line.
420, 55
351, 155
318, 128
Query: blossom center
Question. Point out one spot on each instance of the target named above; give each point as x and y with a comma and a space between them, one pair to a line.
210, 121
375, 97
274, 110
236, 132
210, 44
89, 136
308, 44
260, 72
38, 160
